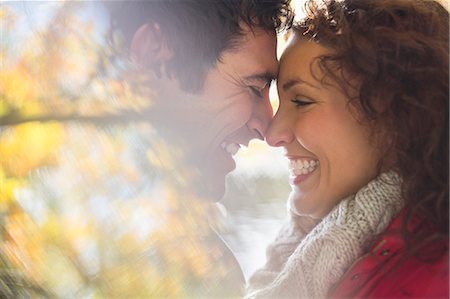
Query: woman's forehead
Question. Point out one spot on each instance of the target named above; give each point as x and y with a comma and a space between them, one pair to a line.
298, 56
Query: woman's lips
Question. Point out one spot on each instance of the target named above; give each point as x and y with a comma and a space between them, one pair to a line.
300, 168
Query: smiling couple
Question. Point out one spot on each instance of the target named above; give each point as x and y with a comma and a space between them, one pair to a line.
363, 119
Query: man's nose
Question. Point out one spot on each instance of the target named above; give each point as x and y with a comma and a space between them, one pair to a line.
279, 132
260, 119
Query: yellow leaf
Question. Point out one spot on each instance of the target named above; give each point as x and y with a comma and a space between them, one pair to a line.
28, 146
17, 86
4, 107
8, 186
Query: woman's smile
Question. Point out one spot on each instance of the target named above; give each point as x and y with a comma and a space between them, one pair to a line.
301, 168
316, 122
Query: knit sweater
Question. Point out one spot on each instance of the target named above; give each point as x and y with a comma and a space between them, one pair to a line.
304, 263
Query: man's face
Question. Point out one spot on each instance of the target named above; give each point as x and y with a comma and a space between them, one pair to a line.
232, 109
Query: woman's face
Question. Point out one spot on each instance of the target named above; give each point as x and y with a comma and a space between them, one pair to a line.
331, 154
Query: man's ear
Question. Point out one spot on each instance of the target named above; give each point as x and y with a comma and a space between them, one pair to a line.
148, 47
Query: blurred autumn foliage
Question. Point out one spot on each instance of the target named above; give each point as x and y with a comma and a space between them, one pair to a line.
89, 204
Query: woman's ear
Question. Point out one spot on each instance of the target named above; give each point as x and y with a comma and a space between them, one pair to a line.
148, 46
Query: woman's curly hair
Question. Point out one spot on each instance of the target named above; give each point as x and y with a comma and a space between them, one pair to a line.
399, 51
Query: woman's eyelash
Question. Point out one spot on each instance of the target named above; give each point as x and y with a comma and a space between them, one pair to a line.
301, 103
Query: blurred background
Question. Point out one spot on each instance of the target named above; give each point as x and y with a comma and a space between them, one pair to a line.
71, 178
78, 198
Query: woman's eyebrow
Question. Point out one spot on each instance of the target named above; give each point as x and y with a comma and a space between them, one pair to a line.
290, 83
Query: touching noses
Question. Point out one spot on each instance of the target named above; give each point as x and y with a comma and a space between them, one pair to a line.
260, 119
279, 133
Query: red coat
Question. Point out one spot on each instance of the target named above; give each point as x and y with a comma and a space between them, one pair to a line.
379, 274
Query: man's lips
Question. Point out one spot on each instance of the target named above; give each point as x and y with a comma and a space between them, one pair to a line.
230, 147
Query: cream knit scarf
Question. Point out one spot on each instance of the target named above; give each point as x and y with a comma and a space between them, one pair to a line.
303, 264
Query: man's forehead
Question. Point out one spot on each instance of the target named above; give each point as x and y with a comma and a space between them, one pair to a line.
255, 56
251, 36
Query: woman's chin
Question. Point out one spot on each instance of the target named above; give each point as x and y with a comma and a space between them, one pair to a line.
299, 205
296, 204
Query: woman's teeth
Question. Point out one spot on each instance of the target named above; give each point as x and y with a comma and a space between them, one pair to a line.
302, 166
231, 148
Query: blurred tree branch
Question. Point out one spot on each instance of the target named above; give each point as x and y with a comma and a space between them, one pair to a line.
14, 118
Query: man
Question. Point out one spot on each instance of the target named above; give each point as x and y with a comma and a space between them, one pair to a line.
222, 54
210, 64
96, 228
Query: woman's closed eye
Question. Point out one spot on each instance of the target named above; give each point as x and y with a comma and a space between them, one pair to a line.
302, 102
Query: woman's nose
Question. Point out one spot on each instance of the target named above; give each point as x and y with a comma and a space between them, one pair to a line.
279, 132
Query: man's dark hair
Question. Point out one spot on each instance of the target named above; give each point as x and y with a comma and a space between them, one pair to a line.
198, 31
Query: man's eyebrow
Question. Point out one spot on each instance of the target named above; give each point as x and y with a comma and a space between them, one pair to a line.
290, 83
266, 76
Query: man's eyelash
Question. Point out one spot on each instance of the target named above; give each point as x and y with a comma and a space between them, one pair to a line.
258, 91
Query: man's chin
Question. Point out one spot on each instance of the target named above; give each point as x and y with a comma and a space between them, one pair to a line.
212, 192
209, 176
211, 188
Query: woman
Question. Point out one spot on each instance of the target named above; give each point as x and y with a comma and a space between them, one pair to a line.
363, 119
